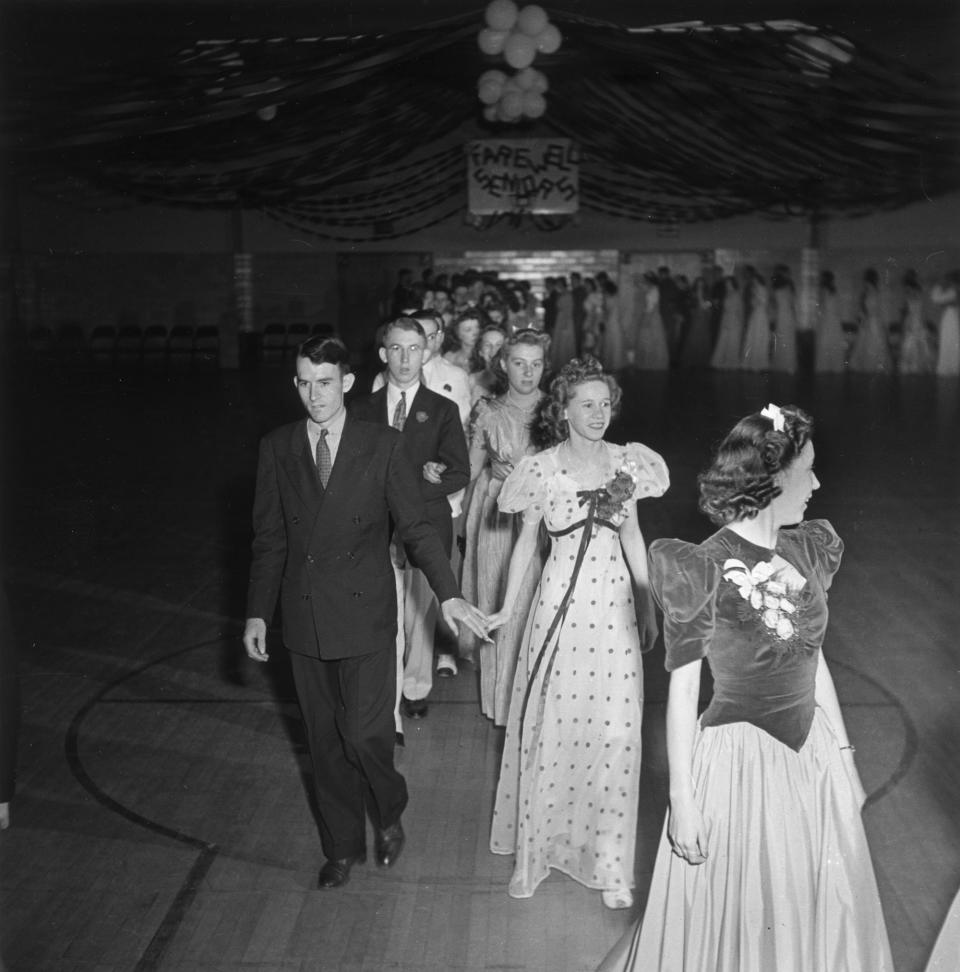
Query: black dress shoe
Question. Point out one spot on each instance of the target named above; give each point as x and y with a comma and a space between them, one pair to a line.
414, 708
336, 872
389, 844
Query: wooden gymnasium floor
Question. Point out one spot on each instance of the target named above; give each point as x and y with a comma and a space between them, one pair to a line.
161, 820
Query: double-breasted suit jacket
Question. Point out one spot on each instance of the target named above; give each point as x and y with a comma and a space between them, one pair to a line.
432, 432
325, 552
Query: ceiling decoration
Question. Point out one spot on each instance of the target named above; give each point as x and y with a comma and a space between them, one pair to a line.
362, 138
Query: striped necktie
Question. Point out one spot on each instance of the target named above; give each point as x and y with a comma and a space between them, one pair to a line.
324, 462
400, 412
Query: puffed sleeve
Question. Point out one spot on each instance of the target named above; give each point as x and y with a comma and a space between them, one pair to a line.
479, 424
653, 478
824, 548
684, 582
525, 489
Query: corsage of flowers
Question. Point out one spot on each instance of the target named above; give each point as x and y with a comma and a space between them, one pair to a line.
613, 498
767, 588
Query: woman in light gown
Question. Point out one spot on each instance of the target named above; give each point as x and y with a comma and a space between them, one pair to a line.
726, 354
567, 795
755, 352
763, 864
831, 354
614, 340
914, 350
652, 352
945, 296
784, 356
563, 345
870, 346
500, 436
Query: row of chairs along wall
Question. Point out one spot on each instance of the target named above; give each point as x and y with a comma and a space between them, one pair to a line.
155, 346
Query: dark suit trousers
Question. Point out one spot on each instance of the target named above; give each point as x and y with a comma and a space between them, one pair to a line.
347, 708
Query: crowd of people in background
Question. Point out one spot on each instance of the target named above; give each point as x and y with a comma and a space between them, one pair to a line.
748, 319
511, 526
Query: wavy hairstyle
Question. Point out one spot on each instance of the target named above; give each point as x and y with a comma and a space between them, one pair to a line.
528, 337
741, 480
550, 427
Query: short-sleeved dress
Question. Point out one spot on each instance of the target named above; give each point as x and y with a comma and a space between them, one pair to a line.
567, 793
788, 882
503, 430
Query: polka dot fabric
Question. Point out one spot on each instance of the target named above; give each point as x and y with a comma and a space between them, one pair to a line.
567, 793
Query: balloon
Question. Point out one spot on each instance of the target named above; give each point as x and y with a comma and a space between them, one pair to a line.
548, 42
491, 41
539, 82
534, 105
489, 92
519, 50
501, 14
526, 78
268, 113
494, 75
490, 113
511, 105
532, 19
511, 84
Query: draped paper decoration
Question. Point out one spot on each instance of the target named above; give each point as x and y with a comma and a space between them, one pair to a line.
363, 138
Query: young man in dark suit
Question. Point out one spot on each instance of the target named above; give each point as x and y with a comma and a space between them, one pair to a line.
329, 490
436, 447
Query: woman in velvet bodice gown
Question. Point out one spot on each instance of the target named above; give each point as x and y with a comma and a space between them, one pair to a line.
763, 864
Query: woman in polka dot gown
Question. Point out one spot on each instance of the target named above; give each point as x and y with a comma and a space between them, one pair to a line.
567, 793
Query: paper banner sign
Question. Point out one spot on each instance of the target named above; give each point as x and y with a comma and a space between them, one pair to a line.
530, 175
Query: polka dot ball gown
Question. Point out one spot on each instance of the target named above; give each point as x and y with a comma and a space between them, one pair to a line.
567, 793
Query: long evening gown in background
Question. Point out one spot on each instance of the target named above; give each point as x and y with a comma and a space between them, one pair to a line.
831, 341
914, 350
696, 348
652, 352
870, 347
614, 340
726, 354
569, 779
755, 353
784, 356
787, 884
563, 342
948, 348
503, 430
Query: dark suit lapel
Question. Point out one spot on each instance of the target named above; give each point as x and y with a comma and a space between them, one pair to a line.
301, 467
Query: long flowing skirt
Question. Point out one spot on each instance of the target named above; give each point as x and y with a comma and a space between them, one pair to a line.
755, 353
788, 883
490, 537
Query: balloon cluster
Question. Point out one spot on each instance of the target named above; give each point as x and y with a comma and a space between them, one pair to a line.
519, 35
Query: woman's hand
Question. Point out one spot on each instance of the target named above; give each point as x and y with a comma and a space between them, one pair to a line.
686, 831
498, 620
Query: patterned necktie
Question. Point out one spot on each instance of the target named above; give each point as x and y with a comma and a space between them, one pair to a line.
400, 412
324, 462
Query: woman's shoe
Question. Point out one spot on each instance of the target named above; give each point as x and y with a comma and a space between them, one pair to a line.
619, 899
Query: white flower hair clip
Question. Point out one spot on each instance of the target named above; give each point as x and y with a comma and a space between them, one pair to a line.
775, 415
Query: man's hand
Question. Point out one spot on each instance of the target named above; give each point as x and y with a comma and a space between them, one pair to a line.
255, 639
432, 471
456, 611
